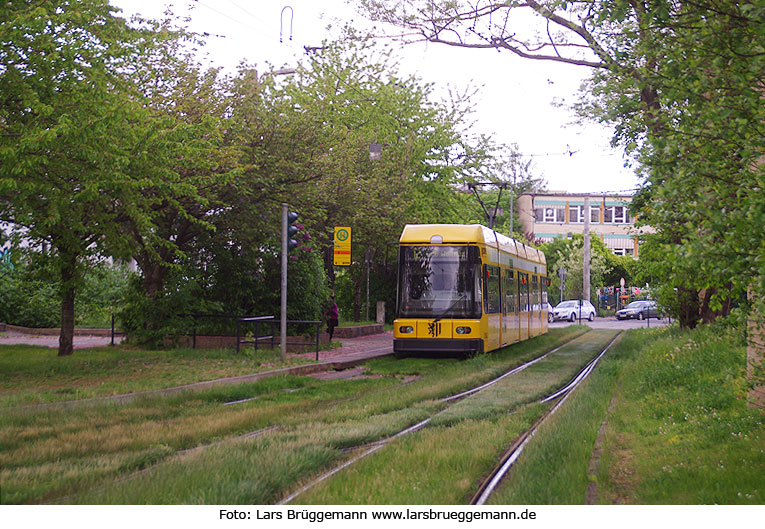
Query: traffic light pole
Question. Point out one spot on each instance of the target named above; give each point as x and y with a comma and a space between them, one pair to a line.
283, 320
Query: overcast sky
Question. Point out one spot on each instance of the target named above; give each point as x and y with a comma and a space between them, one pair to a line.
514, 103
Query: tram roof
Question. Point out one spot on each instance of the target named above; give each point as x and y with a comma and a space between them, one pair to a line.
468, 233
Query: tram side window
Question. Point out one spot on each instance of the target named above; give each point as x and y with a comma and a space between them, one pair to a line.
492, 291
523, 292
510, 292
535, 304
544, 291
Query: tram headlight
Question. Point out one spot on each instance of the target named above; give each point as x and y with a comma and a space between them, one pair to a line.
463, 330
406, 329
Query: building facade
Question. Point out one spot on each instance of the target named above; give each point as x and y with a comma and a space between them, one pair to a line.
548, 215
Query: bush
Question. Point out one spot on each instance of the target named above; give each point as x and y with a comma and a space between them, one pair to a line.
29, 302
30, 294
233, 281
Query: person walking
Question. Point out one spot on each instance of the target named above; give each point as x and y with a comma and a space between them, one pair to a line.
331, 315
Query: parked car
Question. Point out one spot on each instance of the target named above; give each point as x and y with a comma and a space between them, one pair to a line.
639, 310
570, 310
550, 316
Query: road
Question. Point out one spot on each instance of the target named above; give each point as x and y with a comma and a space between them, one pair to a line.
612, 323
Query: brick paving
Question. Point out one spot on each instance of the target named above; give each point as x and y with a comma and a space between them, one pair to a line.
350, 349
357, 348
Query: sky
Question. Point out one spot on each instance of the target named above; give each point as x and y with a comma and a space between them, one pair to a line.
514, 103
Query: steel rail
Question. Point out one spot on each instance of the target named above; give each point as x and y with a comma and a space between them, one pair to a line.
504, 375
374, 447
512, 454
353, 460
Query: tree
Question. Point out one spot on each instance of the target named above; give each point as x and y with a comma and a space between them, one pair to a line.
67, 131
699, 150
188, 171
307, 142
569, 254
681, 82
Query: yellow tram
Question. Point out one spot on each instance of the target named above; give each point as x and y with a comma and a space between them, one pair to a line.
466, 289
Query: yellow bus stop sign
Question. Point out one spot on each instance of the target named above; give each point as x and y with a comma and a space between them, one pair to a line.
342, 246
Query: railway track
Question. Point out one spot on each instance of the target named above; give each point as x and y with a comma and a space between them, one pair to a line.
569, 359
512, 454
508, 457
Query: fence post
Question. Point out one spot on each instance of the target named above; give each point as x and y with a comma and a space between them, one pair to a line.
112, 329
238, 335
318, 326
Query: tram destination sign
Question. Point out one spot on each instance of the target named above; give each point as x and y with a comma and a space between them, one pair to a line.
342, 253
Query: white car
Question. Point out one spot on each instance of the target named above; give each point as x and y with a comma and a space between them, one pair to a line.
570, 310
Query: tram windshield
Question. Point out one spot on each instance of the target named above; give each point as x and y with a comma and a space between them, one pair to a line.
439, 282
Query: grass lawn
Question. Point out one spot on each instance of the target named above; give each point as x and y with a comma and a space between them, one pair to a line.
677, 429
146, 451
34, 375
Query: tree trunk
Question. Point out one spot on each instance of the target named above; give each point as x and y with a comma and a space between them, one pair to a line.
688, 315
329, 267
66, 336
707, 314
153, 279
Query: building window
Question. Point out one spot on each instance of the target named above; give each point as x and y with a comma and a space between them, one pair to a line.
616, 215
594, 214
576, 214
550, 214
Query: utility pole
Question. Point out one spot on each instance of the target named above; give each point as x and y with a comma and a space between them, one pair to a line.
368, 259
586, 264
283, 317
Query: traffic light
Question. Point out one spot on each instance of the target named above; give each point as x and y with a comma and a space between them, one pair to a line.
292, 230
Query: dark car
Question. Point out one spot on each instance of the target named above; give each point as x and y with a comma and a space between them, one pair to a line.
639, 310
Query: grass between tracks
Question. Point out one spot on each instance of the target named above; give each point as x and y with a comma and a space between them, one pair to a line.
481, 426
674, 403
75, 454
678, 430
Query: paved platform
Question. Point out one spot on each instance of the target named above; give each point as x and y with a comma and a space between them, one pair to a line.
356, 348
372, 345
80, 341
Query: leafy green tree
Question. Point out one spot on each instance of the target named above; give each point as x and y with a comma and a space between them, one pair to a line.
700, 147
569, 254
67, 132
188, 189
306, 141
681, 82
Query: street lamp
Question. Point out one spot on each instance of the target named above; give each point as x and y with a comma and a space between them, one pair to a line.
375, 151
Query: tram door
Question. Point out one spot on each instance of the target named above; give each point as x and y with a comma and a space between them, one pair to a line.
523, 305
536, 308
510, 332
